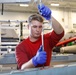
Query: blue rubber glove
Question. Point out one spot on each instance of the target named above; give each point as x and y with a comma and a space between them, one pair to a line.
45, 11
40, 57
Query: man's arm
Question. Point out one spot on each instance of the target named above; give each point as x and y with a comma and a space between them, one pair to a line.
22, 59
28, 64
39, 58
46, 13
56, 26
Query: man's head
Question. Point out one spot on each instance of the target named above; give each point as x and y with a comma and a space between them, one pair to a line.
35, 25
35, 17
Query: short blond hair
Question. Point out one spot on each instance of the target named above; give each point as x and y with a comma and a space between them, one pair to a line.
35, 17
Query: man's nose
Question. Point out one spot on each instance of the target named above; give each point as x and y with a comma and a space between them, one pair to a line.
38, 29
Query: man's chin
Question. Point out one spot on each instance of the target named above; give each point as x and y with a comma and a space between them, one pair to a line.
37, 36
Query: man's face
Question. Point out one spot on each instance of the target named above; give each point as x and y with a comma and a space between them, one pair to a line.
35, 29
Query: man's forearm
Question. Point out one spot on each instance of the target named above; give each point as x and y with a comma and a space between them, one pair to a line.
56, 26
27, 65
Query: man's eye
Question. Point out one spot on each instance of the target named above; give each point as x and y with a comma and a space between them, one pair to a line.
34, 26
40, 26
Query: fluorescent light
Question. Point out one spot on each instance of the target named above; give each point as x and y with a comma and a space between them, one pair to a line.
24, 5
54, 4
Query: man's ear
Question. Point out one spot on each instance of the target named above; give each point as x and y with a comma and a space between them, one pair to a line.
28, 26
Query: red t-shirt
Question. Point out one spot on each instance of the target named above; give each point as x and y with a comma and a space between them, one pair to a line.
27, 49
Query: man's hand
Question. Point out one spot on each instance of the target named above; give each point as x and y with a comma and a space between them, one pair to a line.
44, 11
40, 57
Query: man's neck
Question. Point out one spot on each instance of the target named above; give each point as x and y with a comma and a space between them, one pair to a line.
32, 39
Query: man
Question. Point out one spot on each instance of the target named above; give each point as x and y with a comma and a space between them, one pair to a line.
30, 53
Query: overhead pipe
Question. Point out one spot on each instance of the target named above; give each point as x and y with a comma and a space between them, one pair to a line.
15, 1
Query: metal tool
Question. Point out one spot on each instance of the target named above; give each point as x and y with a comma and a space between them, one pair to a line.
42, 38
40, 2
